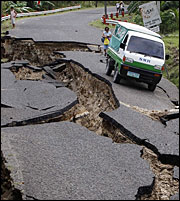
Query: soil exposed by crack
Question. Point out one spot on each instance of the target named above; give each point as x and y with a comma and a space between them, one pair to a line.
27, 74
95, 95
165, 185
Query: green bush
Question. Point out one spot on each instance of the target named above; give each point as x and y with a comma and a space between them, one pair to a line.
45, 5
138, 20
170, 21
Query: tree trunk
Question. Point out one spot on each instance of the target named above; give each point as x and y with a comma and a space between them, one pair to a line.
96, 4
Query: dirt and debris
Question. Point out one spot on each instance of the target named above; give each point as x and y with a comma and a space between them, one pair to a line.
165, 185
25, 73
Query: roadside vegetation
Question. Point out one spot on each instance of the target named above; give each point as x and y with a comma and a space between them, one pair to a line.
169, 28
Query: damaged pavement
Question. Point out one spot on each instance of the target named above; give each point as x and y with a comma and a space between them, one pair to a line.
68, 132
55, 122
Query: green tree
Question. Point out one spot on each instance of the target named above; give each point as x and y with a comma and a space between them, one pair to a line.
170, 21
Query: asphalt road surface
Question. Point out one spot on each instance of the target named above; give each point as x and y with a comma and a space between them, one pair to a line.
64, 160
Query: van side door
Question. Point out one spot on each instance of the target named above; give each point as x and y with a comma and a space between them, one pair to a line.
117, 37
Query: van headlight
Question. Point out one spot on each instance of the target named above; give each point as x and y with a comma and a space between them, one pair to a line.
158, 67
130, 60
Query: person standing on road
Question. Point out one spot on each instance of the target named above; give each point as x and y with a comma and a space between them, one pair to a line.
106, 38
117, 7
13, 15
121, 7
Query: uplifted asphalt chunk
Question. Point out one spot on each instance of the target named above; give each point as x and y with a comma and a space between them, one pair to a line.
55, 82
59, 67
50, 72
23, 62
144, 127
6, 65
170, 89
34, 68
37, 95
9, 95
64, 161
9, 115
7, 79
175, 197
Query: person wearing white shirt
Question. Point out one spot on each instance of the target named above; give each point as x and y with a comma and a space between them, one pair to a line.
117, 7
106, 37
13, 15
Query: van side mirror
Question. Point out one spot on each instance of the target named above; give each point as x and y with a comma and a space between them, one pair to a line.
167, 56
122, 45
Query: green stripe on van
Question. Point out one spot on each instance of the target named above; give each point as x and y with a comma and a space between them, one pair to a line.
134, 64
143, 66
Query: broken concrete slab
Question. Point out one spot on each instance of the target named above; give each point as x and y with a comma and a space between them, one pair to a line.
12, 98
42, 95
24, 117
59, 68
175, 197
176, 172
47, 77
6, 65
50, 72
77, 164
55, 83
137, 125
173, 127
7, 79
17, 65
35, 68
170, 89
59, 53
36, 95
9, 115
23, 62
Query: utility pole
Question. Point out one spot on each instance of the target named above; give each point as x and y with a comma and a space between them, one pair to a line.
105, 8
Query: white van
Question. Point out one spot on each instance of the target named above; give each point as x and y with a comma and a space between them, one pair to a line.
137, 53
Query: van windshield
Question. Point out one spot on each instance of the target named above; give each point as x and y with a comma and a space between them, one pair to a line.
146, 47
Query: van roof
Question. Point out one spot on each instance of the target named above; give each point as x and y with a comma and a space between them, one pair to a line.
138, 28
142, 35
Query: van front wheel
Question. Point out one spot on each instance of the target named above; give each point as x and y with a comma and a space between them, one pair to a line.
151, 87
109, 66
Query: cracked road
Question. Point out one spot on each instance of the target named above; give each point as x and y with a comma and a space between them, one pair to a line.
63, 160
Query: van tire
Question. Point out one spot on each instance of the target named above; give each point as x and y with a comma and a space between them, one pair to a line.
151, 87
116, 77
109, 66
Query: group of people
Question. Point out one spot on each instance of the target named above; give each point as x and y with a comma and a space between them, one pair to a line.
120, 7
106, 36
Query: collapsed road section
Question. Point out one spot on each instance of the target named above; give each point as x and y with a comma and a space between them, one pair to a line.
52, 91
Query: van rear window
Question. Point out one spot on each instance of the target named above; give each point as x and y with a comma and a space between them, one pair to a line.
146, 47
